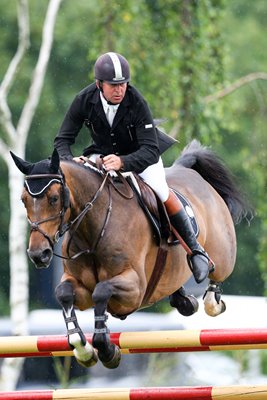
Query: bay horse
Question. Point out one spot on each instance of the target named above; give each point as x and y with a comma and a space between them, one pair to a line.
109, 249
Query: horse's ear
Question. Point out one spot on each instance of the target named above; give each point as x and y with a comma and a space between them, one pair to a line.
54, 165
24, 166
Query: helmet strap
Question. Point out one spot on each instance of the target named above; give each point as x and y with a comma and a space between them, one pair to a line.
99, 85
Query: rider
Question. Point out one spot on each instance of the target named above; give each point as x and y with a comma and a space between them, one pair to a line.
123, 131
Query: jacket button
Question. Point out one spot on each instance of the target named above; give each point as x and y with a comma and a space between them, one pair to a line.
114, 144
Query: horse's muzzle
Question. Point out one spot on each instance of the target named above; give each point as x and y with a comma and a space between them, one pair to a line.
41, 258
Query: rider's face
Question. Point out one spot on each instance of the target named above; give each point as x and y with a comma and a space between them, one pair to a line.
114, 93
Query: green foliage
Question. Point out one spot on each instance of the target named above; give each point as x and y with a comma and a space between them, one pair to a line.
201, 68
244, 136
62, 367
159, 369
263, 355
243, 358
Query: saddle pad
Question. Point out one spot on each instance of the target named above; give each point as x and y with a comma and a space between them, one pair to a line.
158, 220
189, 212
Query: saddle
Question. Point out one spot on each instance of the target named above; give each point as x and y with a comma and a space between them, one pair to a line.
156, 211
149, 201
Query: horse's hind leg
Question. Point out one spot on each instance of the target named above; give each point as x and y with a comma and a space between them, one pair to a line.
84, 353
186, 304
213, 304
108, 352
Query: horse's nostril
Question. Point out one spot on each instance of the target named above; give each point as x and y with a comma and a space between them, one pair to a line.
47, 255
41, 259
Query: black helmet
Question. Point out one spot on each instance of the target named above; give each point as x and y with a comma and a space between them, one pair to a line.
112, 68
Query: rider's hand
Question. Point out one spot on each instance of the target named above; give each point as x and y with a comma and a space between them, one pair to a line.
80, 160
112, 162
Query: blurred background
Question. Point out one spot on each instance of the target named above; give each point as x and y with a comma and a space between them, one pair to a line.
202, 67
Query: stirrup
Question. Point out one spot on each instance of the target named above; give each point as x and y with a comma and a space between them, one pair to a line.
200, 273
200, 251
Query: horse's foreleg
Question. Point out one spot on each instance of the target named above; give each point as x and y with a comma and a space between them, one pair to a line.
84, 353
213, 304
108, 352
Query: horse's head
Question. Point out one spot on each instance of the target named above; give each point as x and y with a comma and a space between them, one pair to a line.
46, 199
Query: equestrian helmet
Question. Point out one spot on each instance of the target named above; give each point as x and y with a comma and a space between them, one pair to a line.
112, 68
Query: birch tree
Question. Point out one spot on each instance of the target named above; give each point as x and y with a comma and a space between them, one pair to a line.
14, 138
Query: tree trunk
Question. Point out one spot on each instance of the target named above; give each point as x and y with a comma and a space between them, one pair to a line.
19, 278
16, 140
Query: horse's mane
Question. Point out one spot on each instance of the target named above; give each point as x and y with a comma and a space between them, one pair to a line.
85, 167
204, 161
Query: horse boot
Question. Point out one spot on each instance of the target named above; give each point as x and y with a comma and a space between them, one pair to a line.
198, 259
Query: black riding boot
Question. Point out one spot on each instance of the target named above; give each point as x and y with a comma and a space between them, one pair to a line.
198, 260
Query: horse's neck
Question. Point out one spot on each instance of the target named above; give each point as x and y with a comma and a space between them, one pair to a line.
83, 184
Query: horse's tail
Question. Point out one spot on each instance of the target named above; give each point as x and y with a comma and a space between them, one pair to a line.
212, 169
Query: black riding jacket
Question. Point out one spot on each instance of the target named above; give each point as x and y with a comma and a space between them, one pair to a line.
132, 136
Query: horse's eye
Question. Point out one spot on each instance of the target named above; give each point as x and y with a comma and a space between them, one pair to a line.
53, 200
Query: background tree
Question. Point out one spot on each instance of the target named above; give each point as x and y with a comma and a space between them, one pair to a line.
201, 68
243, 133
14, 137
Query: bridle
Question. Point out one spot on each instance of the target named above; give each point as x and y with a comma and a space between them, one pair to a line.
35, 225
73, 225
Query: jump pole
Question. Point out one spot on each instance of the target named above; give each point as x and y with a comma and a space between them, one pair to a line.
174, 393
141, 342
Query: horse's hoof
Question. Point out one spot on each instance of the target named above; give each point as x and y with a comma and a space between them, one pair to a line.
186, 305
223, 306
214, 311
115, 361
87, 361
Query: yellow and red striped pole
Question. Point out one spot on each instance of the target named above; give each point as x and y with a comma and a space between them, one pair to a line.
258, 392
141, 342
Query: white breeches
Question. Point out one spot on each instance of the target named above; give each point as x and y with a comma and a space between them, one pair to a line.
154, 176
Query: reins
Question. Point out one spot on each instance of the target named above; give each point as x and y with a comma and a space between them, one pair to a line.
88, 206
74, 224
98, 165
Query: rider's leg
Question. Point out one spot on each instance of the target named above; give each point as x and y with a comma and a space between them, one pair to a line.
154, 175
182, 227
